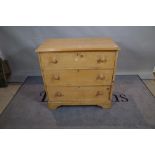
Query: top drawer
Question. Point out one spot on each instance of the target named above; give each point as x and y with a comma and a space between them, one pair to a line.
78, 60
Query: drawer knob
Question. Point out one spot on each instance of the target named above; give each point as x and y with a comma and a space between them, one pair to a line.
54, 61
100, 77
81, 55
58, 94
99, 93
56, 77
101, 60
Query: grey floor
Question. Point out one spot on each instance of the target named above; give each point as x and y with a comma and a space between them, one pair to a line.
133, 107
6, 94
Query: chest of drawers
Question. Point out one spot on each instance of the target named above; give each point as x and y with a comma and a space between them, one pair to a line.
78, 71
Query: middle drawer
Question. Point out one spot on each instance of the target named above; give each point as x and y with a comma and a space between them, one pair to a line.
78, 77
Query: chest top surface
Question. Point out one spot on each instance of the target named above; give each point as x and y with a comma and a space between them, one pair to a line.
77, 44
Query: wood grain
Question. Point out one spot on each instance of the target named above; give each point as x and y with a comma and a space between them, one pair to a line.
78, 60
96, 93
77, 44
78, 77
78, 71
151, 85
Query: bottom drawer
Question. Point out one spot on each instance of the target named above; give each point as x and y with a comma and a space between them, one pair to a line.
79, 94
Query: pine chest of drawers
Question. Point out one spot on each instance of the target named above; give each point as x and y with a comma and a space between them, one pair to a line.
78, 71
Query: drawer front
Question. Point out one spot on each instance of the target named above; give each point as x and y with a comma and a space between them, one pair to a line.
64, 94
78, 60
78, 77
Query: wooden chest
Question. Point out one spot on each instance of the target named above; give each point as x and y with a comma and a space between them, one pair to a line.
78, 71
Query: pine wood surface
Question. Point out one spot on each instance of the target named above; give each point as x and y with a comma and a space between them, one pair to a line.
77, 77
151, 85
73, 75
78, 60
97, 93
77, 44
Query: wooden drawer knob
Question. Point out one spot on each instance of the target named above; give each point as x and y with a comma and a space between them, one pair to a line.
101, 60
100, 77
81, 55
99, 93
54, 61
58, 94
56, 77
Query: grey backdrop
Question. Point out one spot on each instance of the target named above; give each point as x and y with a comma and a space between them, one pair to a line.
137, 55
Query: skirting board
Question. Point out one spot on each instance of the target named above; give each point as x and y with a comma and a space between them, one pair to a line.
142, 75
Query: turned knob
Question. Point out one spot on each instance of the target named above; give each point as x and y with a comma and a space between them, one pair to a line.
101, 77
101, 60
99, 93
58, 94
54, 60
81, 55
56, 77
